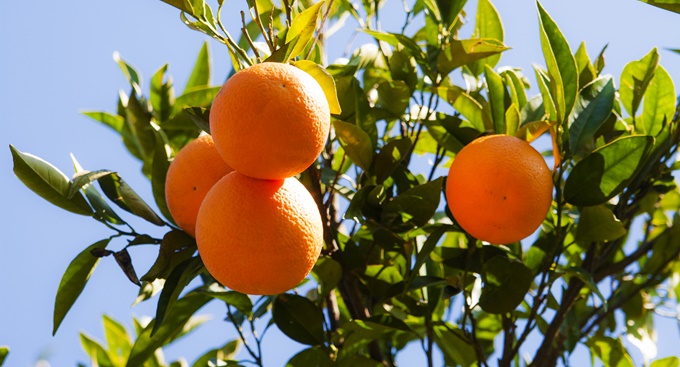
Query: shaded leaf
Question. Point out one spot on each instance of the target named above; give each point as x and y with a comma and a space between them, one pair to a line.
635, 79
225, 352
74, 280
598, 223
102, 209
389, 157
592, 109
299, 319
161, 94
394, 96
159, 169
454, 345
414, 207
610, 351
506, 282
328, 273
496, 95
122, 195
175, 247
239, 300
356, 142
313, 356
125, 262
178, 279
48, 182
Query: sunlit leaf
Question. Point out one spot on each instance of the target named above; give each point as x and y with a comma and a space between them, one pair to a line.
635, 79
202, 72
356, 142
666, 362
98, 355
74, 280
239, 300
610, 351
4, 351
496, 94
488, 25
118, 340
225, 352
302, 29
670, 5
467, 51
592, 109
659, 104
325, 80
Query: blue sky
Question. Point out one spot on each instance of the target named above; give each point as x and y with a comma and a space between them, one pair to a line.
55, 61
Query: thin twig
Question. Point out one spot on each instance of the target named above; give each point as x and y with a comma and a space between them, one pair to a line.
320, 29
244, 30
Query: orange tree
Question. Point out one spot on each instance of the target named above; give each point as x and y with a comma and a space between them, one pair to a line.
395, 267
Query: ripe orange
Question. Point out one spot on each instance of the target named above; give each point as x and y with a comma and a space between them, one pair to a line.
259, 236
499, 189
270, 121
195, 169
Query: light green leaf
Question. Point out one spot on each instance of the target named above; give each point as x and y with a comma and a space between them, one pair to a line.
518, 90
488, 25
129, 72
356, 142
466, 105
606, 171
161, 95
48, 182
325, 80
299, 319
586, 70
610, 351
635, 79
467, 51
512, 120
183, 5
226, 352
593, 107
561, 65
118, 340
74, 280
496, 95
96, 352
302, 29
4, 351
202, 72
666, 362
659, 104
598, 223
327, 273
115, 122
195, 97
549, 108
455, 347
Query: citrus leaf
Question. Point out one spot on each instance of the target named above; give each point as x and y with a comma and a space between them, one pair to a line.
467, 51
659, 104
178, 317
496, 95
549, 108
606, 171
48, 182
161, 95
313, 356
183, 5
115, 122
327, 273
356, 142
299, 319
664, 362
610, 351
414, 207
325, 80
225, 352
102, 209
159, 169
670, 5
593, 107
488, 25
395, 39
200, 116
598, 223
74, 280
178, 279
506, 282
561, 65
195, 97
635, 79
125, 263
129, 72
202, 72
586, 70
239, 300
117, 339
466, 105
513, 79
587, 279
122, 195
4, 351
98, 355
302, 29
389, 157
394, 96
455, 347
175, 247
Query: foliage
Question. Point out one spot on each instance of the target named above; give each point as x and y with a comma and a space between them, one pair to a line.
396, 269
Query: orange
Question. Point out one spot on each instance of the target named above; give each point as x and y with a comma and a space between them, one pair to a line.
499, 189
195, 169
259, 236
270, 121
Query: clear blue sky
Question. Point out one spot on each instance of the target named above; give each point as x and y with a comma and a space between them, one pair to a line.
55, 60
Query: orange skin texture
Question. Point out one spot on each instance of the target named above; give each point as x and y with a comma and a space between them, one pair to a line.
499, 189
259, 236
193, 172
270, 121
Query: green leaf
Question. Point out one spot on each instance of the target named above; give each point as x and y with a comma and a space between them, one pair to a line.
396, 39
181, 313
161, 95
195, 97
670, 5
512, 120
327, 273
598, 223
451, 132
635, 79
389, 157
200, 116
394, 96
455, 346
159, 170
178, 279
488, 25
98, 355
118, 340
202, 72
129, 72
102, 209
122, 195
325, 80
496, 95
302, 29
299, 319
467, 51
659, 104
513, 79
414, 207
4, 351
586, 70
175, 247
561, 65
48, 182
466, 105
664, 362
587, 279
606, 171
610, 351
593, 107
356, 142
183, 5
549, 109
313, 356
506, 282
115, 122
239, 300
74, 280
225, 352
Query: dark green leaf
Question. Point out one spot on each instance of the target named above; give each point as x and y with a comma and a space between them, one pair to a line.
73, 281
606, 171
598, 223
455, 347
389, 157
120, 193
451, 132
506, 282
414, 207
178, 279
549, 108
356, 142
200, 116
309, 357
403, 67
175, 247
83, 178
159, 169
178, 317
4, 351
670, 5
587, 279
202, 72
239, 300
427, 248
394, 96
635, 79
161, 95
464, 52
48, 182
299, 319
593, 107
328, 273
610, 351
561, 65
468, 259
